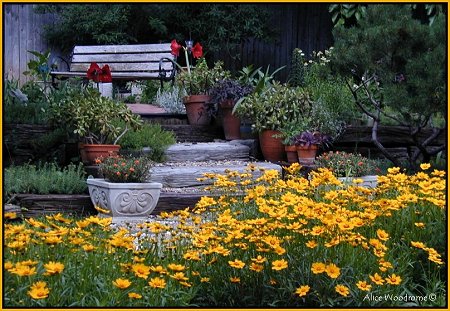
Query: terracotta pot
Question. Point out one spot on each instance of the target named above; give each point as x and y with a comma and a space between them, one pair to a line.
306, 154
89, 152
197, 109
291, 153
231, 123
272, 147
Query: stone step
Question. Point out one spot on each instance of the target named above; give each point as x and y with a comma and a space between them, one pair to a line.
212, 151
185, 174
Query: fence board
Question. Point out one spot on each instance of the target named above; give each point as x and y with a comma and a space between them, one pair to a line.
23, 32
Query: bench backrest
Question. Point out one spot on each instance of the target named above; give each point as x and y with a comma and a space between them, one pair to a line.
123, 59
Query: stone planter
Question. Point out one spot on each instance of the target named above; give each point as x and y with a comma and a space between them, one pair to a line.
124, 201
369, 181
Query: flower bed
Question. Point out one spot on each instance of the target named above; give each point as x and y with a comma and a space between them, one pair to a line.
285, 243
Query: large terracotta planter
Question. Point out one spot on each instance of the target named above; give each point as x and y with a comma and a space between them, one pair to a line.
306, 154
231, 123
291, 153
90, 152
272, 147
197, 109
124, 201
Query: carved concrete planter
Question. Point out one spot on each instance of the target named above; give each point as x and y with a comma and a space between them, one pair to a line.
124, 201
369, 181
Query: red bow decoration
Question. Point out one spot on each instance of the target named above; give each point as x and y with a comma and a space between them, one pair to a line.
98, 74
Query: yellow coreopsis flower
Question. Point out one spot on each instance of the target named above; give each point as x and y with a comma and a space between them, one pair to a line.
121, 283
52, 268
256, 267
332, 271
302, 290
342, 290
311, 244
238, 264
23, 270
205, 280
141, 270
362, 285
394, 279
10, 215
39, 290
88, 247
157, 283
134, 295
235, 279
318, 267
279, 264
382, 235
259, 259
425, 166
418, 244
377, 279
176, 267
179, 276
158, 269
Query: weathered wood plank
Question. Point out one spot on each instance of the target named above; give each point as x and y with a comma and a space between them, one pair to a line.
126, 67
390, 135
34, 205
207, 152
119, 58
126, 48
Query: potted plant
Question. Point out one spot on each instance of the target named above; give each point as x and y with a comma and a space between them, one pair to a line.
307, 144
124, 193
94, 119
270, 110
350, 166
225, 93
197, 82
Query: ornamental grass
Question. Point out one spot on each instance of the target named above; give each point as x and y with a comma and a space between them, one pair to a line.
264, 242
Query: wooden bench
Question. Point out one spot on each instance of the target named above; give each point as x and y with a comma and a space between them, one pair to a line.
126, 62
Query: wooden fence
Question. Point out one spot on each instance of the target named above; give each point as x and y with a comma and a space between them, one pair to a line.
307, 26
23, 32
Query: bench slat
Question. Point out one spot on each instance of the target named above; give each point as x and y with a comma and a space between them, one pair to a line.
114, 67
114, 75
133, 48
118, 58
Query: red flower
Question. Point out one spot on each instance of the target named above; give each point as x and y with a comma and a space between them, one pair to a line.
106, 74
175, 48
94, 72
99, 75
197, 50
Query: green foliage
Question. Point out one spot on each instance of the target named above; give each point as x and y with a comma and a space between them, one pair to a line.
45, 179
88, 24
170, 98
39, 68
201, 78
149, 135
297, 73
274, 107
344, 164
216, 26
149, 90
404, 57
24, 105
92, 116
